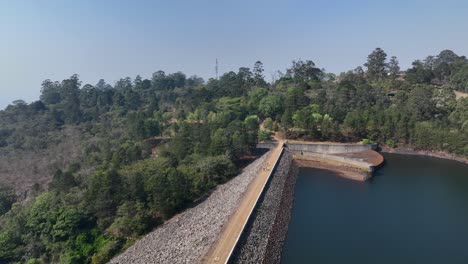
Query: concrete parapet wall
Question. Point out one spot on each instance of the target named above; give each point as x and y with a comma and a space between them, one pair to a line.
338, 160
329, 148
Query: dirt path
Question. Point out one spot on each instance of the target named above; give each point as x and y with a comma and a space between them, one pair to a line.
223, 248
460, 95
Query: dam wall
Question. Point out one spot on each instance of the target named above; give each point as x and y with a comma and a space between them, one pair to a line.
352, 161
339, 160
347, 167
263, 237
328, 148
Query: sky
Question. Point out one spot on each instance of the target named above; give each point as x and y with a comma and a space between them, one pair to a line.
54, 39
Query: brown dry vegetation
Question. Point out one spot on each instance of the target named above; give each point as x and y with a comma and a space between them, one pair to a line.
27, 171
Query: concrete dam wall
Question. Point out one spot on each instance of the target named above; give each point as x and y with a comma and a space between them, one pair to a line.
328, 148
353, 161
337, 159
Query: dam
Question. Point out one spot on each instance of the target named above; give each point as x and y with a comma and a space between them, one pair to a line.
244, 220
256, 237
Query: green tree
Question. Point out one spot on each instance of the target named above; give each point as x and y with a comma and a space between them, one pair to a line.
264, 135
270, 106
258, 76
304, 71
420, 104
254, 98
295, 99
419, 73
446, 56
7, 198
393, 67
62, 181
268, 123
12, 235
70, 92
216, 169
220, 142
376, 65
459, 79
459, 117
251, 122
424, 136
50, 92
132, 220
355, 125
104, 195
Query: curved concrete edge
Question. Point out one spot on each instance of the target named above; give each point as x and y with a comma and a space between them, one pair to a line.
328, 147
347, 167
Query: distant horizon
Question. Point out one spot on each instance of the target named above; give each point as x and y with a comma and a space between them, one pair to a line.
114, 39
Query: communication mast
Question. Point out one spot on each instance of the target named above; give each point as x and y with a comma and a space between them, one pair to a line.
216, 69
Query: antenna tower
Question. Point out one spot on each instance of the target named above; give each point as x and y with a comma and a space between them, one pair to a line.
216, 69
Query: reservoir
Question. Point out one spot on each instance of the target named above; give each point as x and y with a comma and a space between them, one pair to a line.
414, 210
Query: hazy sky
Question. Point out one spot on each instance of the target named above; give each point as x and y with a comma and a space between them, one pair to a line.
112, 39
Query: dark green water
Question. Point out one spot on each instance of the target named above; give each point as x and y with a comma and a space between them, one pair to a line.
415, 210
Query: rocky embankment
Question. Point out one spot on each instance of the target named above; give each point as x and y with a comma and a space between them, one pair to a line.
263, 238
187, 237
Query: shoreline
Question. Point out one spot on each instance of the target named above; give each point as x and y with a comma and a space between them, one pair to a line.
435, 154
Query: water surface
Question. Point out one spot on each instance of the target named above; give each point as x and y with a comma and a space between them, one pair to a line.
415, 210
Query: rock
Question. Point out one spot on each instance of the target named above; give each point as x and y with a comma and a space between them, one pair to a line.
263, 238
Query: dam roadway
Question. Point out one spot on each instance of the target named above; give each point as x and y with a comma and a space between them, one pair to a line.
223, 248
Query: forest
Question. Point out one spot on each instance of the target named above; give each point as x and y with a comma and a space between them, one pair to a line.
86, 170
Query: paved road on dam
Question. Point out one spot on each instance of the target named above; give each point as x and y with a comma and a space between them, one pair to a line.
223, 248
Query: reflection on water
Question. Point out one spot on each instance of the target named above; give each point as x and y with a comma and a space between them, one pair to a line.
415, 210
